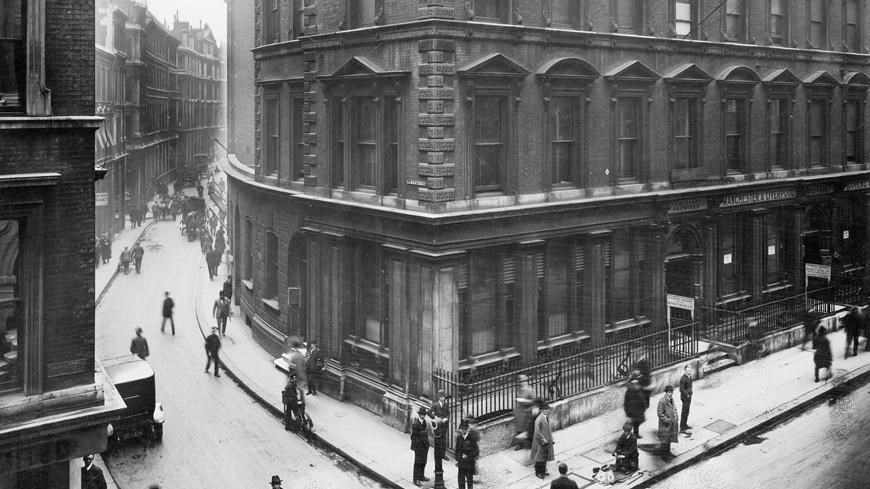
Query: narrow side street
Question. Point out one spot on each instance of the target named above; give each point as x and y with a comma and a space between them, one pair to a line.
211, 424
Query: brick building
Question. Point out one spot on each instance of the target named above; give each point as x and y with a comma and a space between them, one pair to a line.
111, 151
198, 92
471, 186
240, 88
55, 401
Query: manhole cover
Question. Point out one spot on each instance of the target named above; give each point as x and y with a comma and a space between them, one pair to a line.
720, 426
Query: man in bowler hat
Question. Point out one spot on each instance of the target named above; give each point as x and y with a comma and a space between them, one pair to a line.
420, 445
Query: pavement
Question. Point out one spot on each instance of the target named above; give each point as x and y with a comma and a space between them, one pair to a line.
728, 406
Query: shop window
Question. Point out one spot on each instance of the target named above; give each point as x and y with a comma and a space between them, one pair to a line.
12, 336
817, 17
734, 20
778, 16
625, 276
777, 251
731, 250
270, 266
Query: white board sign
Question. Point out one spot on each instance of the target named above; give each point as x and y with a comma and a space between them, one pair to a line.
818, 271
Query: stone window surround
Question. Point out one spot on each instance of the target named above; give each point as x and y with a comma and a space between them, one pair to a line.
780, 85
855, 88
688, 82
736, 83
37, 97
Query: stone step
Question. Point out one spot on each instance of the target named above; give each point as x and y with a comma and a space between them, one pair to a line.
718, 362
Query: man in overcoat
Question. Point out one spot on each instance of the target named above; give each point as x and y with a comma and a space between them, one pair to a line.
635, 404
668, 422
522, 412
467, 451
542, 442
441, 411
92, 476
420, 445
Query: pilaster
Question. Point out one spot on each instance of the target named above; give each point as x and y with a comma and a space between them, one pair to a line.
436, 74
309, 116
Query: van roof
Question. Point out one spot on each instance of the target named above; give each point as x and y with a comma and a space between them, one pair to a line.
127, 368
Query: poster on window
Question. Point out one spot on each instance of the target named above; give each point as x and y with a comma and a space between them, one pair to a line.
726, 258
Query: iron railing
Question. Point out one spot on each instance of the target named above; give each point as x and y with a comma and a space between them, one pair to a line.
488, 395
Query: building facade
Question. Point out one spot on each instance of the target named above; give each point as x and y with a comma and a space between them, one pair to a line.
110, 141
463, 186
240, 87
55, 400
199, 86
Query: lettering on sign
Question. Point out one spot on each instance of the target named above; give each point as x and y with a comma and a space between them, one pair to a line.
436, 119
437, 12
758, 197
688, 205
435, 80
436, 144
862, 185
435, 157
681, 302
820, 189
817, 270
846, 234
418, 183
726, 259
771, 250
436, 93
436, 57
437, 69
435, 106
101, 199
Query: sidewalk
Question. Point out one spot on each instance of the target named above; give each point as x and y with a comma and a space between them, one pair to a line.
727, 406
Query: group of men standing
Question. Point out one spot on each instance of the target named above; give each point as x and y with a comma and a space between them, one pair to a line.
430, 428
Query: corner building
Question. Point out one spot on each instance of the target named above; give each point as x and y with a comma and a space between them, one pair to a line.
462, 187
55, 399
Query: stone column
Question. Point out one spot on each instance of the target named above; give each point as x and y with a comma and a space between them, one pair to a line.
757, 250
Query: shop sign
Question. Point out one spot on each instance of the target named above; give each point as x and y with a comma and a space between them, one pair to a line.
418, 183
758, 197
681, 302
688, 205
101, 199
771, 250
726, 259
861, 185
818, 270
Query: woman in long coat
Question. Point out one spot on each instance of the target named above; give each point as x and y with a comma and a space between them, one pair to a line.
542, 443
823, 356
669, 428
635, 404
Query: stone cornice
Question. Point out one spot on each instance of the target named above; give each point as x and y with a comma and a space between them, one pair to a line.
50, 122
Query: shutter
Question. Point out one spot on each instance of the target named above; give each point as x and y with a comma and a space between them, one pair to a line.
640, 250
510, 270
579, 258
539, 264
462, 276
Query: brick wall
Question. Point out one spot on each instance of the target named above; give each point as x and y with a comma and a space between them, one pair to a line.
69, 56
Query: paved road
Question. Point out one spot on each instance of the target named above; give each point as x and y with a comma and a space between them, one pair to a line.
825, 447
215, 435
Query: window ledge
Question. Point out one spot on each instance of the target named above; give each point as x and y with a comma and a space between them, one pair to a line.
248, 284
777, 288
368, 346
627, 324
488, 359
272, 304
562, 340
733, 298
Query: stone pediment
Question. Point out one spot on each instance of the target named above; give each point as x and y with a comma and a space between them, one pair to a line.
783, 77
362, 67
568, 68
495, 64
633, 71
821, 79
688, 73
738, 74
856, 80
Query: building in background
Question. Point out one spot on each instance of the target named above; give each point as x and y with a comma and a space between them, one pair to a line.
55, 399
199, 78
442, 192
240, 88
111, 150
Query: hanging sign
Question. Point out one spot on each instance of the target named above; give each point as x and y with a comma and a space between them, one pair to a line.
818, 271
681, 302
101, 199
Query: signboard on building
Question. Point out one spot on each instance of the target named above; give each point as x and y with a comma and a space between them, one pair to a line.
859, 185
818, 271
127, 196
758, 197
101, 199
681, 302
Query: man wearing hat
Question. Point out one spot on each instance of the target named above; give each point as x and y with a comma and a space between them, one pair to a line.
441, 413
276, 482
669, 428
634, 403
420, 445
626, 450
563, 482
467, 451
212, 347
542, 442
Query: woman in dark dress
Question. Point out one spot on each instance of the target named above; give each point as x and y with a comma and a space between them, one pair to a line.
823, 357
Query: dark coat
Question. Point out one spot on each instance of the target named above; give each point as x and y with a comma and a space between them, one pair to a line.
563, 482
138, 252
852, 323
212, 343
168, 304
93, 478
823, 357
685, 388
314, 363
419, 436
635, 402
139, 346
213, 258
542, 441
627, 444
669, 429
228, 289
466, 451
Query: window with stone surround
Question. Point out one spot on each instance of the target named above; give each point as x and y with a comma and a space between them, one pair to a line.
630, 84
271, 12
564, 14
497, 11
370, 315
248, 270
817, 128
11, 334
852, 14
687, 85
778, 16
364, 13
734, 20
628, 16
297, 129
817, 24
780, 87
731, 260
625, 277
855, 87
271, 133
565, 137
778, 249
629, 127
684, 19
487, 283
490, 130
736, 87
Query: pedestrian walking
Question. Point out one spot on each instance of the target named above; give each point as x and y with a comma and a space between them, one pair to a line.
644, 377
125, 259
212, 261
466, 451
563, 482
212, 351
276, 482
542, 443
626, 450
314, 365
523, 413
98, 259
292, 405
420, 446
143, 212
634, 403
138, 252
441, 411
204, 239
228, 288
668, 427
297, 364
155, 211
811, 326
168, 305
92, 476
823, 358
852, 324
864, 319
685, 397
105, 249
220, 243
139, 345
221, 311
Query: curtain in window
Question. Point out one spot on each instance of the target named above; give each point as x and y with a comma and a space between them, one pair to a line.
563, 118
364, 140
